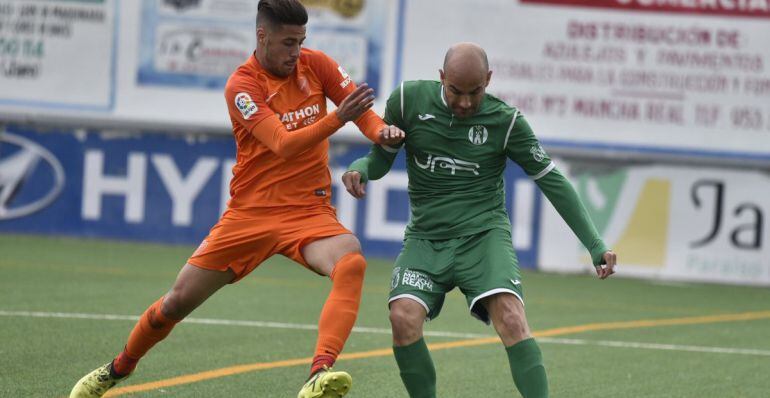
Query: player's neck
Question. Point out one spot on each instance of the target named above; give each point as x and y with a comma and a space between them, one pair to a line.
261, 59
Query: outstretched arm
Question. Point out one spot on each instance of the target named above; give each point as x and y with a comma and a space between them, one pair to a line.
373, 166
567, 203
524, 149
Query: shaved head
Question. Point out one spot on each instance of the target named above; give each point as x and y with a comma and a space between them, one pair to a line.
466, 59
465, 77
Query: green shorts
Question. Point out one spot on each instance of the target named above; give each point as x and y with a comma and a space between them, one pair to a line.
481, 265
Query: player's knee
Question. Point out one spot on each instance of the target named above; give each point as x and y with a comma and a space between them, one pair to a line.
175, 306
514, 323
350, 245
404, 319
350, 268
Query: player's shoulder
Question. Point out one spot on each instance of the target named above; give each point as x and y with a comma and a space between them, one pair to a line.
421, 85
412, 88
245, 78
497, 105
314, 58
497, 112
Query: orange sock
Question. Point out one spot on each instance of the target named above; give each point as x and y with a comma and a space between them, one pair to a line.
340, 310
152, 327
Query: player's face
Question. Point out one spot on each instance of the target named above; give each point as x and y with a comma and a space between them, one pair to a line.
280, 46
464, 93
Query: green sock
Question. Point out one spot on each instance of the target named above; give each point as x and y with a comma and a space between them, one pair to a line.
417, 371
527, 369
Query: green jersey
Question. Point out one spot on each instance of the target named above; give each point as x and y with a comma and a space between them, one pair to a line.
455, 166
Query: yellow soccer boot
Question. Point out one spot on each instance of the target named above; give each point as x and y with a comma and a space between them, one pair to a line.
326, 384
96, 383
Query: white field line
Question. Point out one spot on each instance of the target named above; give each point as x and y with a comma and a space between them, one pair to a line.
655, 346
360, 329
225, 322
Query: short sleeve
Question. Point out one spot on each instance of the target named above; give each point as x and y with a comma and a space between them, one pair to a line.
523, 148
246, 103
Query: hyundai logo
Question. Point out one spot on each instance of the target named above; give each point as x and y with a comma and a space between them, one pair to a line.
30, 177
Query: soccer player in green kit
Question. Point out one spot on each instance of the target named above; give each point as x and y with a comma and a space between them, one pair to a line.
458, 139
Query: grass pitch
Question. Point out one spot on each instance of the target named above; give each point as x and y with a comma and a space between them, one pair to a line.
66, 307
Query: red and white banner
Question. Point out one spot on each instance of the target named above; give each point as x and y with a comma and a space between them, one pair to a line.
740, 8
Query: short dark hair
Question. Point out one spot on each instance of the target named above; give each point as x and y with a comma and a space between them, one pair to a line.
281, 12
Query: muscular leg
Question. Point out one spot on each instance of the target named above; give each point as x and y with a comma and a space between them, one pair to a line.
526, 361
192, 287
338, 257
412, 356
508, 318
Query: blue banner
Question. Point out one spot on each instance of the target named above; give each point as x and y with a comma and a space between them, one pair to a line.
171, 188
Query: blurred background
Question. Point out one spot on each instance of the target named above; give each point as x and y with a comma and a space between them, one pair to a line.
114, 125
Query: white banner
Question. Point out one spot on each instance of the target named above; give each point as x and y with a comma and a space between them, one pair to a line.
620, 75
199, 44
668, 77
57, 54
672, 223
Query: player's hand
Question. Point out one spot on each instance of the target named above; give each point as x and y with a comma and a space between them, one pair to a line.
391, 135
352, 181
355, 104
608, 266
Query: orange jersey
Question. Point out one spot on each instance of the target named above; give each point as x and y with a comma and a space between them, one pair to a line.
271, 115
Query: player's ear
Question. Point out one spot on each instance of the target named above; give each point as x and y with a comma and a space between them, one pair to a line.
441, 75
261, 35
489, 78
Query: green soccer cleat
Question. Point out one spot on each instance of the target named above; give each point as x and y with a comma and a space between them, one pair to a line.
326, 384
96, 383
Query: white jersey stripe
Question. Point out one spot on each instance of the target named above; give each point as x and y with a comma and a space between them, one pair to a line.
402, 102
545, 171
388, 148
510, 128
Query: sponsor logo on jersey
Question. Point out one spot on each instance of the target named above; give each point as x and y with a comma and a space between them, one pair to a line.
244, 104
345, 77
453, 165
516, 282
417, 279
478, 135
537, 152
301, 117
31, 177
425, 117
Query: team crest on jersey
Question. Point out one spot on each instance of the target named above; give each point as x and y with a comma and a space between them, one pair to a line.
537, 152
245, 104
478, 135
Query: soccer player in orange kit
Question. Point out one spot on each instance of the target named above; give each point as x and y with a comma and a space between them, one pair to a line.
280, 197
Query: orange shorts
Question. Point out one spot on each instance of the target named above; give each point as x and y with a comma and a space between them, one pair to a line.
244, 238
